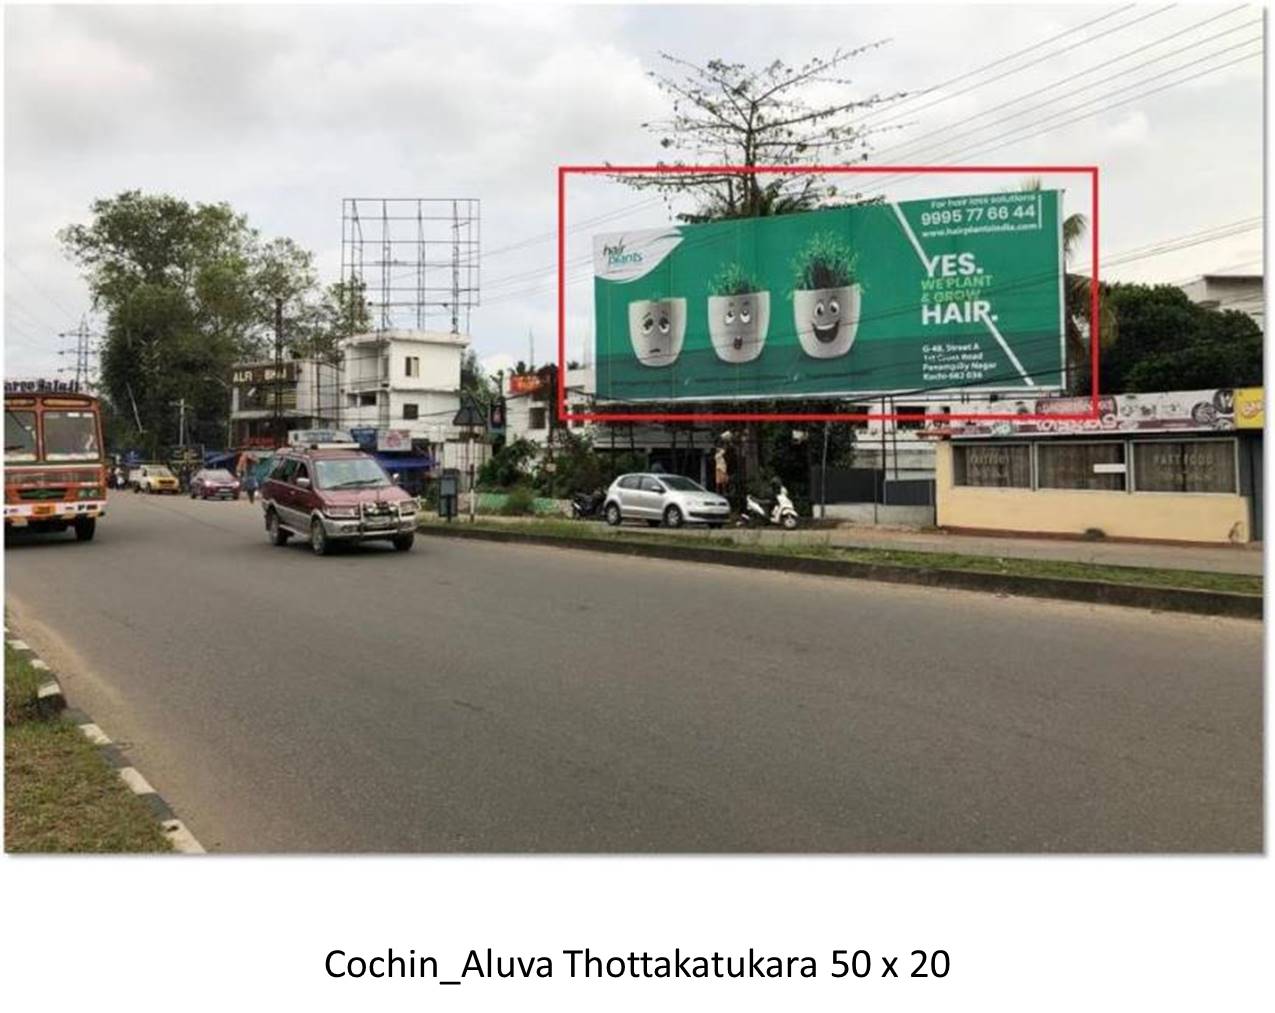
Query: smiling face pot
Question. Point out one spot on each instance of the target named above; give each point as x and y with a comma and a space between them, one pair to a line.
827, 320
656, 328
738, 324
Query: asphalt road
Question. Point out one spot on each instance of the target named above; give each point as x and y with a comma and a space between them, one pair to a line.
502, 698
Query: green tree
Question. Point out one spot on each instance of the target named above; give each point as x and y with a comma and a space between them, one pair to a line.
475, 381
1166, 342
187, 290
1079, 304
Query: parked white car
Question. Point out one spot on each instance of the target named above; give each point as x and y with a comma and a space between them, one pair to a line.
671, 500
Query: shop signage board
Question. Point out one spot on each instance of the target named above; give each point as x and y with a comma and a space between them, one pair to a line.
1216, 409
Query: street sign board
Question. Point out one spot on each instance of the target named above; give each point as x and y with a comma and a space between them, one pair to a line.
470, 414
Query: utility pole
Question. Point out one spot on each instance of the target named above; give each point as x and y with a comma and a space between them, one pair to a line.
280, 436
181, 421
823, 476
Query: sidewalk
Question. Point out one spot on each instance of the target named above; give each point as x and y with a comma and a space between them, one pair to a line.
1223, 559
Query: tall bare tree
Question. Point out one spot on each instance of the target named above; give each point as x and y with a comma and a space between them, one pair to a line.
731, 114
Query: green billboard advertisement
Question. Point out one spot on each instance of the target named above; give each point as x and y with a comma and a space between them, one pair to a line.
888, 298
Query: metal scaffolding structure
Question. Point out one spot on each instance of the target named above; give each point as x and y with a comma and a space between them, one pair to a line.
415, 260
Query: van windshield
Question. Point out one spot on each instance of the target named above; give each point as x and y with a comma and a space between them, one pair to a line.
350, 473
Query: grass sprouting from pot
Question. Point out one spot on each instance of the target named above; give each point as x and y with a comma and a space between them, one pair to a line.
732, 280
826, 261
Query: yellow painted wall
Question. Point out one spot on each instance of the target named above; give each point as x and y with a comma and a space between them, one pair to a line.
1187, 517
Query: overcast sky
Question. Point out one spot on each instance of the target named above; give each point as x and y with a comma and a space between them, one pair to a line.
283, 111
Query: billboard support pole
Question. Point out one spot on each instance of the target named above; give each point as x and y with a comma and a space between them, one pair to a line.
823, 476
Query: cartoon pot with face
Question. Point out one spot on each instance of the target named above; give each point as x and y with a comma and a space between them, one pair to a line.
738, 316
656, 328
825, 298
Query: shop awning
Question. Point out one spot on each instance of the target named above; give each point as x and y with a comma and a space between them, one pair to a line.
407, 462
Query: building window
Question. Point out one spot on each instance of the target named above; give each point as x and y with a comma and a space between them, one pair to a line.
411, 411
1185, 466
538, 418
368, 399
909, 409
858, 409
999, 465
1080, 466
412, 365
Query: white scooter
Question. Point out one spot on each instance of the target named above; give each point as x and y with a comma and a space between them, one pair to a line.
779, 512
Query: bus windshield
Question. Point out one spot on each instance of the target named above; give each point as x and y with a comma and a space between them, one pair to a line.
70, 436
19, 435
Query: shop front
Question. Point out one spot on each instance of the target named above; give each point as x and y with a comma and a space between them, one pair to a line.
1182, 466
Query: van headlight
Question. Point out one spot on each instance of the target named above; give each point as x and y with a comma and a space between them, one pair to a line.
342, 512
408, 506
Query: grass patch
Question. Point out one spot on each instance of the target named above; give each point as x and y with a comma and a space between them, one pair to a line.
21, 683
1197, 580
61, 796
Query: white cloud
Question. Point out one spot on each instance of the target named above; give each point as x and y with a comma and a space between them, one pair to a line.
282, 111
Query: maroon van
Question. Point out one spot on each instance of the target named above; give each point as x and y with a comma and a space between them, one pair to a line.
334, 493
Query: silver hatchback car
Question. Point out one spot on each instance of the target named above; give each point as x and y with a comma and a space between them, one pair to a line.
671, 500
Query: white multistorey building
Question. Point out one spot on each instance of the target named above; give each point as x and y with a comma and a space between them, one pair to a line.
407, 380
1242, 292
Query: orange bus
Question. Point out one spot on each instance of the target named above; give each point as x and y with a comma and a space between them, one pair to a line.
54, 462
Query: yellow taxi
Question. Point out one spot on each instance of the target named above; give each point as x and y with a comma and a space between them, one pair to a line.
155, 478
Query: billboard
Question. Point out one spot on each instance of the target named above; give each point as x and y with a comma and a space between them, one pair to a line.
887, 298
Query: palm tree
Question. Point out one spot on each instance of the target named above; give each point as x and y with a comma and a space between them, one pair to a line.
1076, 296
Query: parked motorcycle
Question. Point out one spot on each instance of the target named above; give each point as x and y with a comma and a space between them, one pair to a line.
588, 505
778, 511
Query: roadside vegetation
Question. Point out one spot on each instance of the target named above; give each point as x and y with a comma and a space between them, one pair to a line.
809, 547
60, 795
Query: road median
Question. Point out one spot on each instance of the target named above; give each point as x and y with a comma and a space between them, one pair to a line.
1233, 595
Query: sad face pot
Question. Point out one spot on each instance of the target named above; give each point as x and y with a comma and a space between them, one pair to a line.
656, 328
738, 324
827, 320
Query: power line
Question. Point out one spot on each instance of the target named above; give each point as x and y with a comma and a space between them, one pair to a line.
36, 285
1100, 66
913, 146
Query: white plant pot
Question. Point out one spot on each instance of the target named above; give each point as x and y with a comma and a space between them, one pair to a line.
656, 328
738, 325
827, 320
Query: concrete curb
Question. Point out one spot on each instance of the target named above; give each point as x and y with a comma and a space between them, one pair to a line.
51, 701
1166, 599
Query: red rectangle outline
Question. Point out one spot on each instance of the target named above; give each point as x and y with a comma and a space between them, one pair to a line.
657, 417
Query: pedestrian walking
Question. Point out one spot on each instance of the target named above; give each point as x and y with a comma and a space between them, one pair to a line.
250, 484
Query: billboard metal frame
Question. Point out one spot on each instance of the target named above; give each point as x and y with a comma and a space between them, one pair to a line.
1088, 171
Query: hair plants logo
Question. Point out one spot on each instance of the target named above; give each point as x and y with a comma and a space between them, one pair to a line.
618, 256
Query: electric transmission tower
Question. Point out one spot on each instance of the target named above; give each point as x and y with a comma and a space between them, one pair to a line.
85, 352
